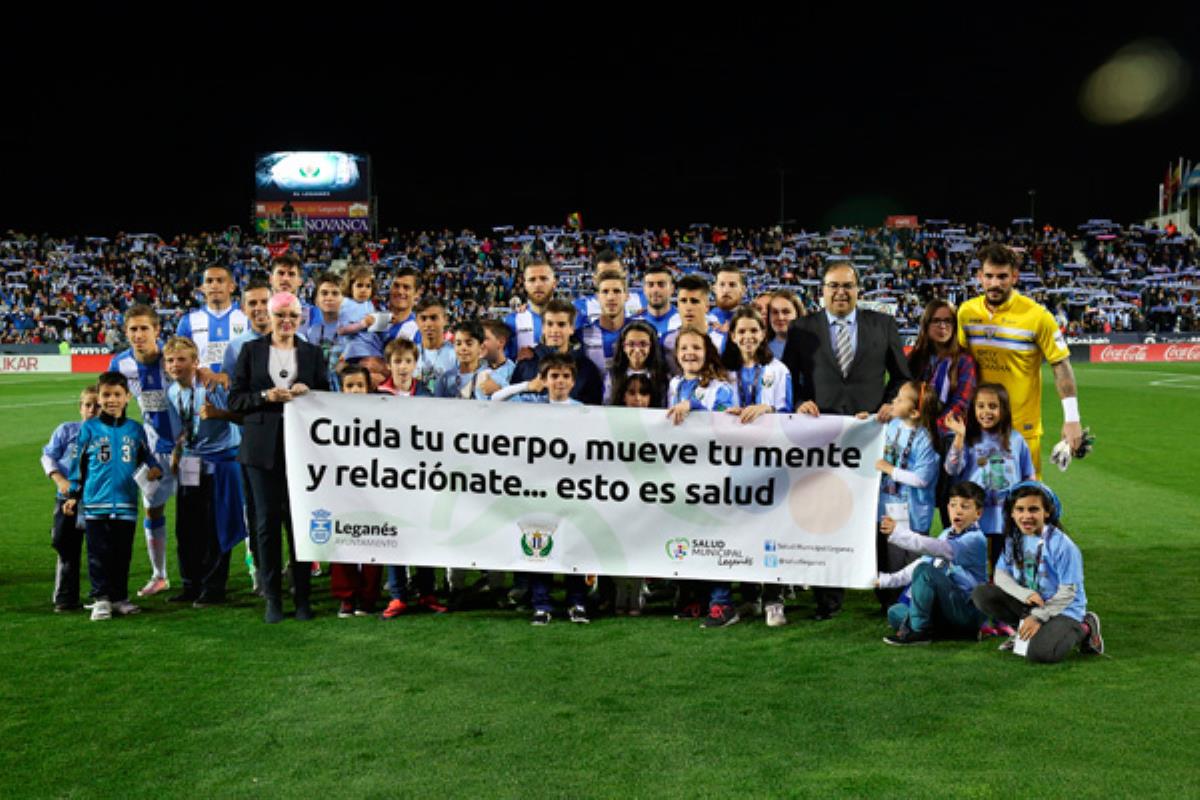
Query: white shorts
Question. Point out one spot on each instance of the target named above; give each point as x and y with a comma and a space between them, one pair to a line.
166, 484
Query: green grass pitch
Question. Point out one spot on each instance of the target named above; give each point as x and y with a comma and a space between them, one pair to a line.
185, 703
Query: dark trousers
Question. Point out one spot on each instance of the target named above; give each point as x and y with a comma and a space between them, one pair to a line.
271, 508
541, 583
1054, 640
203, 568
110, 547
829, 599
67, 540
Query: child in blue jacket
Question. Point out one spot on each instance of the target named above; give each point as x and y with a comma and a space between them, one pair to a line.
103, 489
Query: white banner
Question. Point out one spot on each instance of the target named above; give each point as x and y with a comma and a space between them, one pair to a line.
587, 490
13, 364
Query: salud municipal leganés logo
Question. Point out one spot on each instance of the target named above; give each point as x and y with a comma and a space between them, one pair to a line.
320, 529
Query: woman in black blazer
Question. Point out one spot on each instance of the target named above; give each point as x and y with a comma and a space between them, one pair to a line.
272, 371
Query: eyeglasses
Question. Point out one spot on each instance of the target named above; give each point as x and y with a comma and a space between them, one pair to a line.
941, 321
848, 287
637, 345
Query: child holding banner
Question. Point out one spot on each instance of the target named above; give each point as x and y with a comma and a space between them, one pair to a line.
1039, 581
703, 384
356, 586
556, 377
764, 386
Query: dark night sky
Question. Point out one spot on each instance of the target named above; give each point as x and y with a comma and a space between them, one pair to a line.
131, 120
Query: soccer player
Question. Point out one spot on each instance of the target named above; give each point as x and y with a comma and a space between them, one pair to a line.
145, 376
587, 309
255, 297
691, 298
1010, 336
220, 321
729, 288
526, 326
403, 294
599, 338
103, 490
66, 534
658, 286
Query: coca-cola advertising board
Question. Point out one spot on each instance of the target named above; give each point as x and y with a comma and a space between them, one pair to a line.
1144, 353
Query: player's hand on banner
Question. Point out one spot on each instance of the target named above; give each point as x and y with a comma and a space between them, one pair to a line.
298, 389
808, 408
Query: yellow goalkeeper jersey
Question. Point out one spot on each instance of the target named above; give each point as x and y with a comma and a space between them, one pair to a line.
1009, 346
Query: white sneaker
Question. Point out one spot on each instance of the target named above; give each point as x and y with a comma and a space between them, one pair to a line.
154, 586
101, 610
775, 616
125, 608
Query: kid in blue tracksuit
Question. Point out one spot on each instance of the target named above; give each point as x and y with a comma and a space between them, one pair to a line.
66, 535
940, 583
103, 489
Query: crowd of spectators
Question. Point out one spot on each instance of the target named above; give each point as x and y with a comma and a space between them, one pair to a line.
1101, 278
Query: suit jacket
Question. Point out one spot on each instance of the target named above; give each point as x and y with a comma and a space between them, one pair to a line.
262, 423
816, 376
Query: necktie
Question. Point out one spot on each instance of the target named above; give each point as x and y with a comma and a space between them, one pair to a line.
844, 347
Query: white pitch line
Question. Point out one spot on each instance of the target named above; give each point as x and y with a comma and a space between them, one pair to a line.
37, 405
7, 380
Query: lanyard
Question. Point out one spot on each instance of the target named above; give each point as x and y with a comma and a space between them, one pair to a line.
748, 389
902, 462
188, 413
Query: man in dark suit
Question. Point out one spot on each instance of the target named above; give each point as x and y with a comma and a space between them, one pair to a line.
839, 358
271, 372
